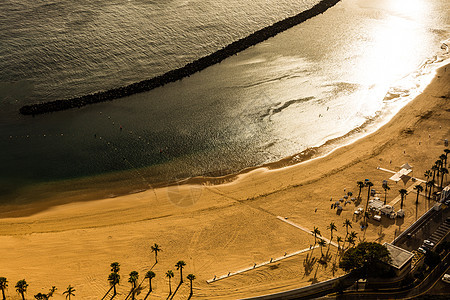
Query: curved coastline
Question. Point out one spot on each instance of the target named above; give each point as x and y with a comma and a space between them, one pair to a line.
180, 73
204, 224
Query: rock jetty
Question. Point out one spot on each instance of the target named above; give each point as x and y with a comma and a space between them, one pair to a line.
180, 73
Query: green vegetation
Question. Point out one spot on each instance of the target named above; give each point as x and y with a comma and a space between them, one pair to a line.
169, 274
155, 248
180, 265
150, 275
134, 276
366, 257
191, 277
21, 287
3, 286
419, 189
114, 279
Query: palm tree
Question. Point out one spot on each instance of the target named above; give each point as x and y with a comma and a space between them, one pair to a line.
191, 277
150, 275
339, 240
351, 240
369, 185
439, 164
51, 291
134, 276
155, 248
386, 188
446, 151
69, 292
169, 274
3, 286
21, 287
332, 228
115, 267
443, 172
430, 184
427, 174
352, 237
403, 194
114, 279
361, 186
443, 159
347, 224
316, 233
322, 243
180, 265
434, 169
419, 189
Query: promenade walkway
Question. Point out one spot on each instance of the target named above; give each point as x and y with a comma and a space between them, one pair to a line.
254, 266
305, 230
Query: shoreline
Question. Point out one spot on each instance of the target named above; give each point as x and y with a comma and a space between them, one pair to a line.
183, 72
88, 186
216, 229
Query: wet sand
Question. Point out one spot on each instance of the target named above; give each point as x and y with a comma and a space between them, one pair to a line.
222, 228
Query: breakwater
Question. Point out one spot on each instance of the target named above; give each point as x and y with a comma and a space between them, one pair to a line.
182, 72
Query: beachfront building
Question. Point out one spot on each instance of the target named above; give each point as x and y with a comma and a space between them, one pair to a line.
445, 194
400, 260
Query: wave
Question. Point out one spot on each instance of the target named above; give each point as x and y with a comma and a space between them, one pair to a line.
279, 107
396, 98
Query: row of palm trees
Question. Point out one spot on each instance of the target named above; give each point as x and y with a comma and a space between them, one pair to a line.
439, 169
114, 278
436, 173
22, 286
350, 238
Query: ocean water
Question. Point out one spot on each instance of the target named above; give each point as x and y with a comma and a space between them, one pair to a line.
318, 85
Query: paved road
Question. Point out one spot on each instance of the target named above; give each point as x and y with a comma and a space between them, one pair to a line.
422, 230
406, 293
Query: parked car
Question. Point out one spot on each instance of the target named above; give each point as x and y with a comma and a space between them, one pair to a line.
428, 243
446, 278
422, 250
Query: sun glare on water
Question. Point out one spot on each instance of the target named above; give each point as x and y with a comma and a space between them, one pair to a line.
395, 42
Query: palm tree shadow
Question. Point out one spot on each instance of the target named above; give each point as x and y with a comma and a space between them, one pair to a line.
148, 294
314, 279
381, 235
176, 290
108, 293
308, 264
334, 268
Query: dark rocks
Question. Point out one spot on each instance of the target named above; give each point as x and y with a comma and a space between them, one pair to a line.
177, 74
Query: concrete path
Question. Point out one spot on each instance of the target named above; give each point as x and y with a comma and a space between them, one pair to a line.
272, 260
390, 171
305, 230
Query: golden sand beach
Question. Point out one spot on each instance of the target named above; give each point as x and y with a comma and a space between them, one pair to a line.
222, 228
